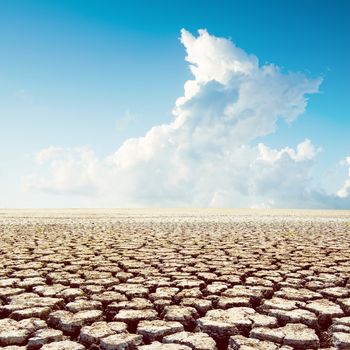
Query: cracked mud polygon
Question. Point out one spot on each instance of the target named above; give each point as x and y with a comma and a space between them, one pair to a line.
174, 279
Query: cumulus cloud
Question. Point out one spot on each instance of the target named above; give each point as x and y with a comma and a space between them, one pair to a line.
208, 155
69, 171
345, 190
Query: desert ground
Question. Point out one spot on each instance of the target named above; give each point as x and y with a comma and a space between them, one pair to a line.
174, 279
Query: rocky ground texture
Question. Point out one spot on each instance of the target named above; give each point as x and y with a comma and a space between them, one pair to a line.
177, 280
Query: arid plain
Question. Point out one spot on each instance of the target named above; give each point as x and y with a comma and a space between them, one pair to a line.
174, 279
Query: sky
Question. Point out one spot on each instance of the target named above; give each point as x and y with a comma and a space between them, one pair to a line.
186, 103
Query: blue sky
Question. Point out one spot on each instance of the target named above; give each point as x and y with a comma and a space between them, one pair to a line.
95, 73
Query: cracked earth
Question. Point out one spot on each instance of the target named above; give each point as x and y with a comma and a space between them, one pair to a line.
174, 280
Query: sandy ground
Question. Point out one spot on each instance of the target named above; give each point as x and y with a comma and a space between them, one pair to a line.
174, 279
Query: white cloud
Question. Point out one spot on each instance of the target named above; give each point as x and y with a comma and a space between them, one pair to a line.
207, 156
305, 151
345, 190
70, 171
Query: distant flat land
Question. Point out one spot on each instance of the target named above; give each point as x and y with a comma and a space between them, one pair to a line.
176, 212
174, 279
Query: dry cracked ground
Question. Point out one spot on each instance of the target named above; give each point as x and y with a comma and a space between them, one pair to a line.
174, 280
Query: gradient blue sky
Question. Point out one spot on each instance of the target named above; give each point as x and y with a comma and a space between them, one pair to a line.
70, 71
